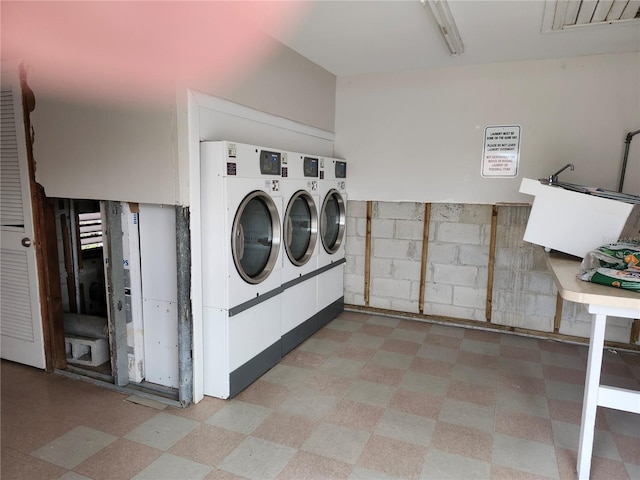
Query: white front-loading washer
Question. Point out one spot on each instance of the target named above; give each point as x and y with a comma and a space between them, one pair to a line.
300, 194
331, 252
241, 212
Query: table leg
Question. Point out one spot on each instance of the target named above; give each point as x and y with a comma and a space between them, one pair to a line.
590, 400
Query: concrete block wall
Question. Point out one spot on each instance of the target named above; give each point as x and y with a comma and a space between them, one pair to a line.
457, 261
396, 251
523, 296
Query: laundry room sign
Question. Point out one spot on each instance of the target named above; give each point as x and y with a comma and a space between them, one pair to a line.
501, 152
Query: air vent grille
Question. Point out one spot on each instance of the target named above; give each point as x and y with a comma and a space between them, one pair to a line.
564, 14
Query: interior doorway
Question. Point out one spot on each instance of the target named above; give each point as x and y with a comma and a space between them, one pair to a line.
83, 286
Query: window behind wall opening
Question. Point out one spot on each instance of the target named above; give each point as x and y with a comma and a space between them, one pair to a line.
90, 225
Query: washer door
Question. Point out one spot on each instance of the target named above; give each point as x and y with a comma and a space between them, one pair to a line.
255, 237
300, 228
332, 221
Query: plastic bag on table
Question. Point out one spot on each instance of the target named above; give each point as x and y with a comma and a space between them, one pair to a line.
614, 264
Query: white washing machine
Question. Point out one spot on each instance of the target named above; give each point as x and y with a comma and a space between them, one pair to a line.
331, 252
241, 212
300, 194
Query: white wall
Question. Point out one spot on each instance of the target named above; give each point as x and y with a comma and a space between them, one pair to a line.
139, 153
104, 152
419, 136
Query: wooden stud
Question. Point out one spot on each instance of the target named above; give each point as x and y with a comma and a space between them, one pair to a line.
492, 261
558, 316
46, 248
486, 326
635, 332
367, 254
425, 251
68, 263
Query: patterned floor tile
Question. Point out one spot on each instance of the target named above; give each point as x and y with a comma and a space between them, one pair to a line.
239, 417
170, 467
207, 444
441, 465
264, 393
335, 441
468, 414
368, 397
312, 466
356, 415
407, 427
74, 447
121, 459
462, 440
162, 431
528, 427
257, 459
286, 429
393, 457
519, 454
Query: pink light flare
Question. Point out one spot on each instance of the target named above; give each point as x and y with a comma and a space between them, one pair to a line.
140, 50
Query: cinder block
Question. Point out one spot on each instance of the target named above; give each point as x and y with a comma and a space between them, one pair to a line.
538, 282
388, 248
438, 293
513, 215
404, 306
391, 288
382, 228
354, 283
473, 255
475, 213
452, 311
356, 208
409, 230
445, 212
401, 210
86, 351
461, 233
350, 265
455, 275
381, 267
510, 236
379, 302
544, 305
406, 269
443, 253
355, 246
469, 297
352, 298
506, 301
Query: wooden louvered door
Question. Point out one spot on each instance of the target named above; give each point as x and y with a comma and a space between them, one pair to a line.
20, 314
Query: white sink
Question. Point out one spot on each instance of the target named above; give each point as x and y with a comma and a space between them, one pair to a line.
575, 223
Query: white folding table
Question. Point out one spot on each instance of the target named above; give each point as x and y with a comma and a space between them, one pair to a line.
602, 301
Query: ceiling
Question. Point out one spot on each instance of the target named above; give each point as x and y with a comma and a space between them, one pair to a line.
360, 37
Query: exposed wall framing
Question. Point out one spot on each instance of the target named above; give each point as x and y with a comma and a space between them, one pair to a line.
431, 262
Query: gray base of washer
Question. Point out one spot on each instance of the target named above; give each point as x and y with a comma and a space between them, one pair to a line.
330, 312
249, 372
299, 334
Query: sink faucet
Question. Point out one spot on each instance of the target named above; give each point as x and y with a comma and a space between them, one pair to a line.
553, 179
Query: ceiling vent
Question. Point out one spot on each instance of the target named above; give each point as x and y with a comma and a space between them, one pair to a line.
566, 14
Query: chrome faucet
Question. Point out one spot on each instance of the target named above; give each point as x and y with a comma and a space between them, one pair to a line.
553, 179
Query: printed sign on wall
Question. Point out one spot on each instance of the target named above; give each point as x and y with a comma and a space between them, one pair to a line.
501, 152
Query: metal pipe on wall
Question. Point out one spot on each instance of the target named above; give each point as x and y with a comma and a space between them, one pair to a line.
627, 142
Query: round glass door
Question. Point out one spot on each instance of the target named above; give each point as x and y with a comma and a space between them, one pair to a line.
255, 238
332, 221
300, 228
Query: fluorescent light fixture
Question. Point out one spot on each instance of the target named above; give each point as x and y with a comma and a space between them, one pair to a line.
444, 19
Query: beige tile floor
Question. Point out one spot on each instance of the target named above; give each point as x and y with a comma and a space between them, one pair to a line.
367, 397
